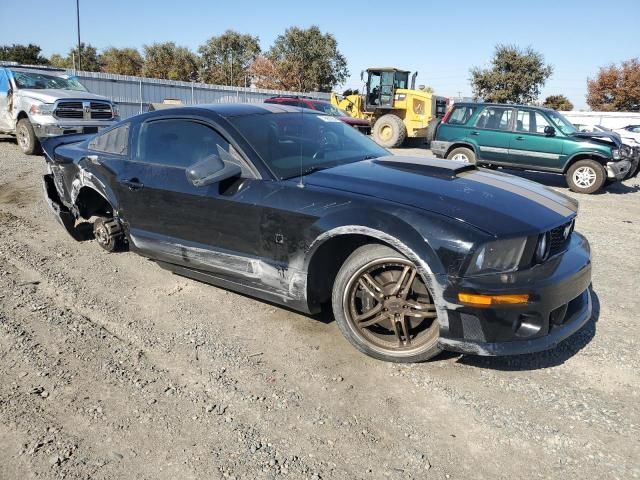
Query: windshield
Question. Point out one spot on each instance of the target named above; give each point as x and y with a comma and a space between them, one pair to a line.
330, 109
39, 81
561, 123
291, 144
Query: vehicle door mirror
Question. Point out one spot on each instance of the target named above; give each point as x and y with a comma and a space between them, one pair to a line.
210, 170
549, 131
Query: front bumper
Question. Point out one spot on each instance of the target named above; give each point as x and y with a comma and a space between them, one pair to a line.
560, 304
618, 170
43, 130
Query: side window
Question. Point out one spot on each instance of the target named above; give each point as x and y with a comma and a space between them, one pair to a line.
531, 122
460, 115
181, 143
115, 141
495, 118
4, 82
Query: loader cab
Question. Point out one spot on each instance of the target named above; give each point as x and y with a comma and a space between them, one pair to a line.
381, 86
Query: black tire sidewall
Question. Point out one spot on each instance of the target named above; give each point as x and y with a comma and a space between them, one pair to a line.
352, 264
464, 150
601, 176
398, 127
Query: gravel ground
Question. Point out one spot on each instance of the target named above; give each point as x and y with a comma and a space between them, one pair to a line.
111, 368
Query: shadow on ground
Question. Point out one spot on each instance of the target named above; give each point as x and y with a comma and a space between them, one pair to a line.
558, 181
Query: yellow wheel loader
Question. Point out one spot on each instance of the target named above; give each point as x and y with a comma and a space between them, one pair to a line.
395, 109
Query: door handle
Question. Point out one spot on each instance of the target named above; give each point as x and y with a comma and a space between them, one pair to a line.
519, 138
132, 184
475, 133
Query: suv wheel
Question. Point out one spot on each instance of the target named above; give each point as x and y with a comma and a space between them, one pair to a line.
389, 131
462, 154
26, 136
586, 176
108, 234
383, 307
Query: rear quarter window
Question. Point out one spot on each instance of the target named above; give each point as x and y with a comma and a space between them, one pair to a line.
461, 115
115, 141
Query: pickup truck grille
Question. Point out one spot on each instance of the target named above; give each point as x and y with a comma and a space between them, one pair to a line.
74, 109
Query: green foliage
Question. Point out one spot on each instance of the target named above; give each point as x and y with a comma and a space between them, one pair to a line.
24, 54
311, 59
558, 102
515, 76
166, 60
616, 88
123, 61
90, 59
225, 60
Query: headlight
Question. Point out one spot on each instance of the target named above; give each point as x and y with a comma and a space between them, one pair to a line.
116, 111
615, 154
41, 109
543, 247
497, 256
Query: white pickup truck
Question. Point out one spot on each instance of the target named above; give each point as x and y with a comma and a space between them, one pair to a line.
37, 102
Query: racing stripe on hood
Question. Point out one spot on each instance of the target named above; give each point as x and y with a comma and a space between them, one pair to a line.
524, 190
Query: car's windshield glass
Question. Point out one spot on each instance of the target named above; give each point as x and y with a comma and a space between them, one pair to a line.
561, 123
291, 144
38, 80
329, 109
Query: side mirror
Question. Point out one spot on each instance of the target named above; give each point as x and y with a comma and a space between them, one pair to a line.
211, 170
549, 131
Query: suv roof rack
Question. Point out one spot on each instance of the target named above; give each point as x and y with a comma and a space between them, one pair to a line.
4, 63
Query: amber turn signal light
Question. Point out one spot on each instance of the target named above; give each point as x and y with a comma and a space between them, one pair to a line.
488, 300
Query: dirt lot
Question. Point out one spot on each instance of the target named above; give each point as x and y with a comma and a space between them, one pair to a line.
113, 368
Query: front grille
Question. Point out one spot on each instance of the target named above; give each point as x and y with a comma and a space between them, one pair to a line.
69, 110
101, 111
74, 109
559, 238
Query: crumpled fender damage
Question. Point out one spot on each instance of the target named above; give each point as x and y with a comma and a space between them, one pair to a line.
63, 215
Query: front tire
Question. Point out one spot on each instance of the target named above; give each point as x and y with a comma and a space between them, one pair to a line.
462, 154
26, 136
586, 176
389, 131
108, 234
383, 307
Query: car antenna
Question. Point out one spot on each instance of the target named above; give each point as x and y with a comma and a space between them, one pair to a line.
301, 182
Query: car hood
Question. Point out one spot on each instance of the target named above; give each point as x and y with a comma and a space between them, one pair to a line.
354, 121
611, 139
497, 203
50, 95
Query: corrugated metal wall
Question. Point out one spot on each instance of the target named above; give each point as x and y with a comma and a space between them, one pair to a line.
134, 94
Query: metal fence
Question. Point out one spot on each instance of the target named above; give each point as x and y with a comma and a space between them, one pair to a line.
134, 94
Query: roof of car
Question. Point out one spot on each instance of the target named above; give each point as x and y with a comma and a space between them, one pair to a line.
511, 105
242, 109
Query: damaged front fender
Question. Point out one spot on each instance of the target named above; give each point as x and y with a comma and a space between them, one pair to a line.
64, 216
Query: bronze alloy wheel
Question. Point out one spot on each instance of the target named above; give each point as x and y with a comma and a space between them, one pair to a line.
389, 308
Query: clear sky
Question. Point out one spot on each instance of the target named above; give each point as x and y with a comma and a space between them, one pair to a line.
441, 40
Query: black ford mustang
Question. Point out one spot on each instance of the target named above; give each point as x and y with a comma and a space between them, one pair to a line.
415, 255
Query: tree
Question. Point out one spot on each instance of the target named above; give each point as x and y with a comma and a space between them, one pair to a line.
24, 54
266, 74
616, 88
226, 59
515, 76
350, 91
90, 59
123, 61
558, 102
310, 59
166, 60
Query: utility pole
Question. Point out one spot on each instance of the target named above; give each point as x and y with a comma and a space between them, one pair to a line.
78, 20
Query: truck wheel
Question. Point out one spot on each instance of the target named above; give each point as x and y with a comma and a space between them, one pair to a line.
27, 140
389, 131
432, 129
462, 154
586, 176
108, 234
383, 307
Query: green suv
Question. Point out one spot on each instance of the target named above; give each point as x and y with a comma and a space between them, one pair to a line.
531, 138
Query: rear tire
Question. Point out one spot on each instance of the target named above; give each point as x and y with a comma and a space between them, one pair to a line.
586, 176
389, 131
462, 154
392, 319
26, 136
432, 129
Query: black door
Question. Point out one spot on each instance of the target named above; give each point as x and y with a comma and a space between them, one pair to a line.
211, 227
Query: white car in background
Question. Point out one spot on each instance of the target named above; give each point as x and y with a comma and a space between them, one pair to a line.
630, 137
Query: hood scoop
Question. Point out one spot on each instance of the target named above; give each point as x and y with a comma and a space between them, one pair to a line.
432, 167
